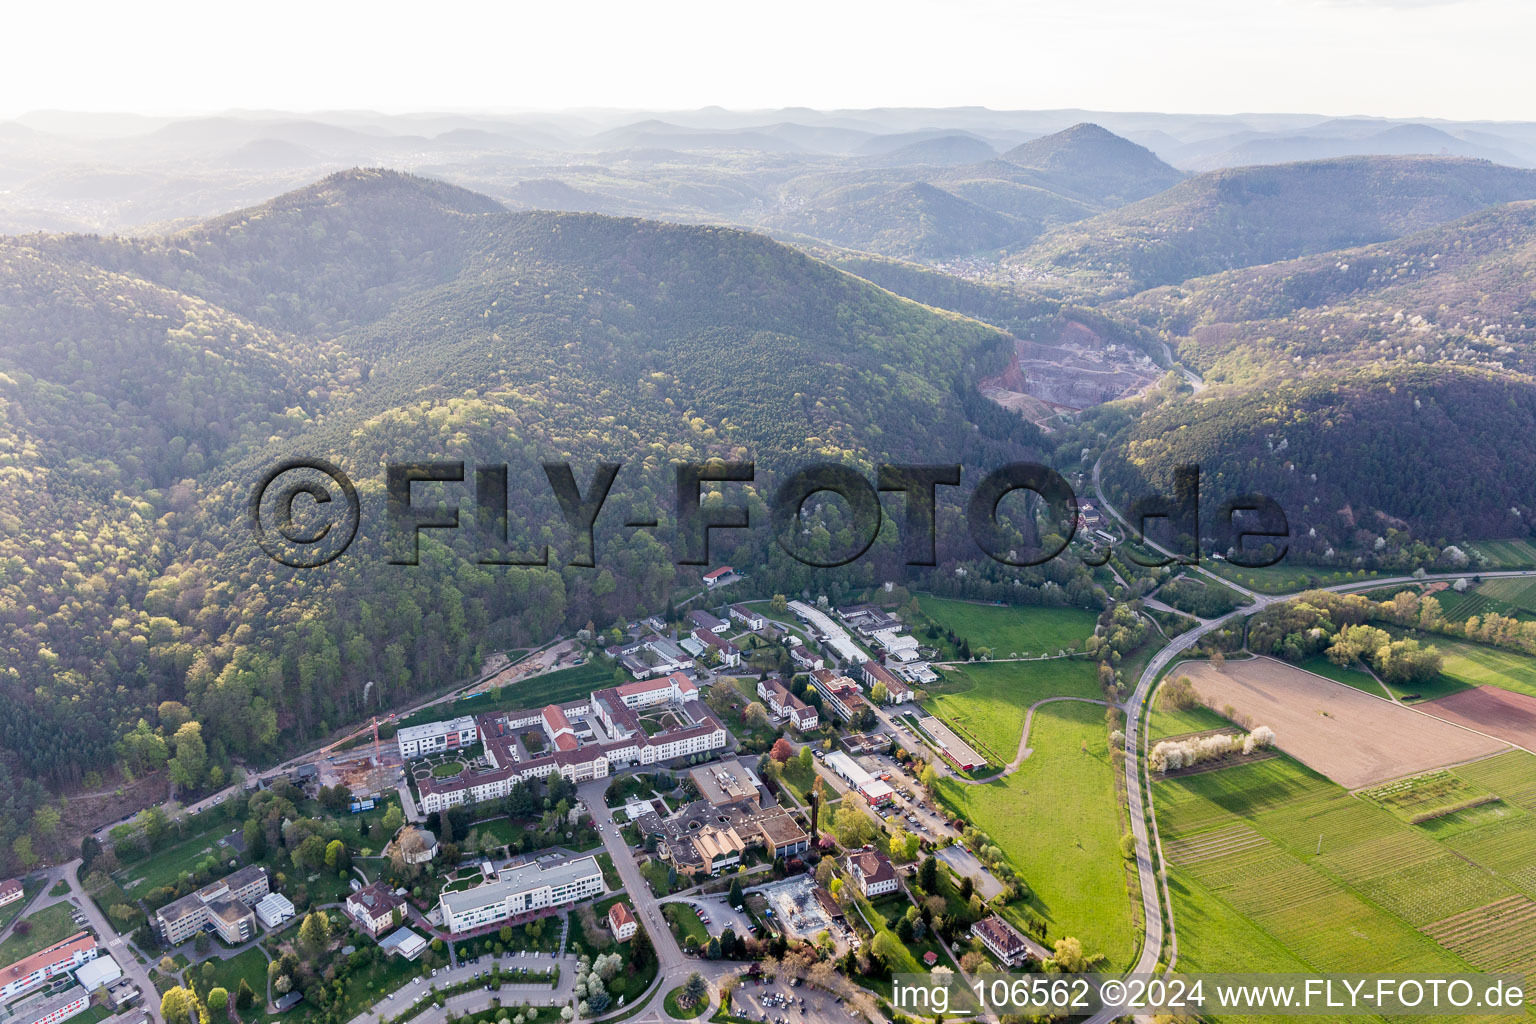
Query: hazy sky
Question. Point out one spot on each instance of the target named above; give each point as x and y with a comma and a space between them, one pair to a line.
1461, 59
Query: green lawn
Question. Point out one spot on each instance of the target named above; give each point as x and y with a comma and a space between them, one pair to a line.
45, 927
12, 910
111, 895
1057, 823
250, 965
685, 923
1178, 723
798, 779
169, 864
988, 701
533, 692
655, 873
1009, 630
1352, 675
673, 1004
363, 988
1274, 868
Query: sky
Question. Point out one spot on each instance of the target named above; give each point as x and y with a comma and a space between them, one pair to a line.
1463, 59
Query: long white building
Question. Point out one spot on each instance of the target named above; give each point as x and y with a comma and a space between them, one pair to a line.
30, 972
829, 632
522, 890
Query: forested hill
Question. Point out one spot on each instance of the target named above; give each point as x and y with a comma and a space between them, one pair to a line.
1457, 293
379, 317
1247, 216
1381, 393
1439, 454
1090, 160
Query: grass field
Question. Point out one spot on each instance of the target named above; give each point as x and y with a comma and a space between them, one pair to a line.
47, 926
12, 910
1057, 823
1272, 867
1351, 675
989, 700
1468, 664
166, 866
363, 988
1179, 723
533, 692
1010, 630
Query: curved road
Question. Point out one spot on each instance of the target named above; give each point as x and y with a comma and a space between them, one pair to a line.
1152, 939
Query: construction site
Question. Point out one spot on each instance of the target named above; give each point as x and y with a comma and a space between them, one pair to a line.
374, 768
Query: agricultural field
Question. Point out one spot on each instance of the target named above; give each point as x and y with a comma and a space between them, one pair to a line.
986, 702
1008, 630
1422, 798
1468, 664
1058, 825
1176, 722
46, 926
1349, 736
1502, 713
1511, 775
1271, 866
1507, 554
1514, 596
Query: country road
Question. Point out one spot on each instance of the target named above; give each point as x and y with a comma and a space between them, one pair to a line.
1151, 899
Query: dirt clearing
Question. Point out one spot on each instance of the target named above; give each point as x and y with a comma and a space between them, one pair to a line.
1509, 716
1351, 737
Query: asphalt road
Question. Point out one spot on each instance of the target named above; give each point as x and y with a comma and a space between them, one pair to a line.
1152, 939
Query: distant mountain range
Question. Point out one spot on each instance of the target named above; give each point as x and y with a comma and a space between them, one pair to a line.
699, 165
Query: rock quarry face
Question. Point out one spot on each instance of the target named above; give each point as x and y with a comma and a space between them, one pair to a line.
1071, 367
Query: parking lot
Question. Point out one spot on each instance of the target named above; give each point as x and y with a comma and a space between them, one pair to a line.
780, 1002
910, 799
717, 915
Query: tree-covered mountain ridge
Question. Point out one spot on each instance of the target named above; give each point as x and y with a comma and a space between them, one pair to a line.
146, 383
1248, 216
1457, 293
1419, 456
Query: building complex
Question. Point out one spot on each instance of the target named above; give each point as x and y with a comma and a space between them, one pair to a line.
519, 891
642, 723
226, 905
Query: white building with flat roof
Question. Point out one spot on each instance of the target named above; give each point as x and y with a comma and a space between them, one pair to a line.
93, 974
436, 737
522, 890
869, 787
273, 909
